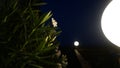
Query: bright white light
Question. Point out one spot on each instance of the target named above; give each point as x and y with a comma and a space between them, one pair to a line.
76, 43
110, 22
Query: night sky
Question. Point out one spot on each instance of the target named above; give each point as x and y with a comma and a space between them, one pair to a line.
79, 20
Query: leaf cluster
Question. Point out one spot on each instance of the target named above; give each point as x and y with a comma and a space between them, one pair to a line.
26, 39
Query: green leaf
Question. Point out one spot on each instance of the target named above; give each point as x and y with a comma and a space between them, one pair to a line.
45, 17
15, 5
35, 65
39, 4
46, 51
5, 19
36, 11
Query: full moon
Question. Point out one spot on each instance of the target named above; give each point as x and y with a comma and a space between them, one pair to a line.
76, 43
110, 22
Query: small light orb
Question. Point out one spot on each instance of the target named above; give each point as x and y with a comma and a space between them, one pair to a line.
76, 43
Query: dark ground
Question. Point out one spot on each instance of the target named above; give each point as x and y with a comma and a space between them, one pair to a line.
97, 57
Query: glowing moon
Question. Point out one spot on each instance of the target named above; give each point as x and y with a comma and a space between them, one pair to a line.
110, 22
76, 43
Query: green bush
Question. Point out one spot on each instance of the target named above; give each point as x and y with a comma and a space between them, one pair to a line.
28, 37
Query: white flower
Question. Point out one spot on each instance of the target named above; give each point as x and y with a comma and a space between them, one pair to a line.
54, 22
59, 65
58, 53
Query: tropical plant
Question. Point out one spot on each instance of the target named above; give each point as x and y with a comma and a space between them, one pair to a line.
27, 37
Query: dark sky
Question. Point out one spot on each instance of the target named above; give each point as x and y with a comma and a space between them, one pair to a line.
78, 20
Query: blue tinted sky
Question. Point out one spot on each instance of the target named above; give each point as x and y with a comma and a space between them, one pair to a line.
78, 20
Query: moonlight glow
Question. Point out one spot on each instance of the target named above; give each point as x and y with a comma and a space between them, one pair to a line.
110, 22
76, 43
